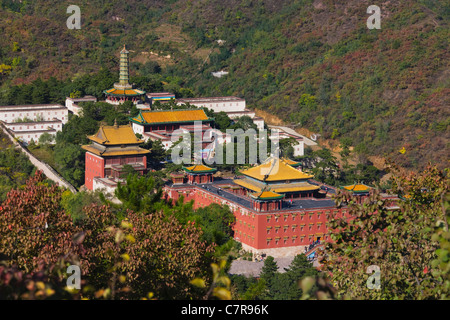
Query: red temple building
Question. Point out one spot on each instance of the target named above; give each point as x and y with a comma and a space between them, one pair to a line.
111, 148
280, 210
199, 174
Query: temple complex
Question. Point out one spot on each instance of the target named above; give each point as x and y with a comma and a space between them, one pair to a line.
279, 209
111, 149
123, 90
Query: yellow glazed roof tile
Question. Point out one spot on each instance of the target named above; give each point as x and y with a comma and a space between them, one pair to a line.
173, 116
199, 168
275, 169
281, 188
125, 152
357, 187
115, 135
266, 195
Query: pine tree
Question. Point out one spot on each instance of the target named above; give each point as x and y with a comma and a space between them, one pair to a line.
269, 269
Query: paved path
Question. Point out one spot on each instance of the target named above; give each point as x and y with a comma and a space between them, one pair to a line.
253, 268
306, 140
48, 171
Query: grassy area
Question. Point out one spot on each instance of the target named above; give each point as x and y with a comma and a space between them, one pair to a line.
45, 154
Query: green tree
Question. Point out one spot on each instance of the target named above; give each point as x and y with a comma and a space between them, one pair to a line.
325, 168
222, 121
46, 138
69, 159
244, 123
141, 193
269, 269
300, 268
216, 222
287, 147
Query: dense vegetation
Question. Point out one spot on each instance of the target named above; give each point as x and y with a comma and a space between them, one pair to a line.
15, 168
164, 249
409, 245
312, 63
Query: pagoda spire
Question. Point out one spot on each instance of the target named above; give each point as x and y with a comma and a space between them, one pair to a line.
124, 67
123, 90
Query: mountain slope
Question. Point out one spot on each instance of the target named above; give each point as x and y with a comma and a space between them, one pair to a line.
312, 63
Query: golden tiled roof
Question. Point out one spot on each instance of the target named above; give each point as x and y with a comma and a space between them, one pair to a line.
126, 92
308, 187
278, 188
275, 169
357, 188
199, 168
115, 135
171, 116
108, 152
291, 162
266, 195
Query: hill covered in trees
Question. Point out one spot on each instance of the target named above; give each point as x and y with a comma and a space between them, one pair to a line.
313, 63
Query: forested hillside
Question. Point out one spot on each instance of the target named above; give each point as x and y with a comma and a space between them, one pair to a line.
312, 63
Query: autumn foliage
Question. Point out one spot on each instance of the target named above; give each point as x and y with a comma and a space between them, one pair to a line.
400, 238
145, 252
33, 226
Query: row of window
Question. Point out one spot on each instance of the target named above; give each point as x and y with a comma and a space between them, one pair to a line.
293, 239
293, 216
34, 114
285, 228
283, 240
34, 127
224, 104
294, 227
124, 160
95, 172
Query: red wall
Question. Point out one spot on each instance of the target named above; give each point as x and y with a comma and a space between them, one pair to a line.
95, 167
251, 227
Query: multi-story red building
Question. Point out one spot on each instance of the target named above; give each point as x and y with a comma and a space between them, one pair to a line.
111, 148
278, 213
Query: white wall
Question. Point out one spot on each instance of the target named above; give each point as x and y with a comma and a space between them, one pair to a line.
9, 115
98, 185
299, 149
218, 105
26, 137
29, 126
259, 124
137, 128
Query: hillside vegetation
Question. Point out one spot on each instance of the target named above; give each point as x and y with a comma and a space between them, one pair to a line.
312, 63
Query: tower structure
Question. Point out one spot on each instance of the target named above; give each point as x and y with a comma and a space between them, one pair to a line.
111, 149
123, 90
124, 71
